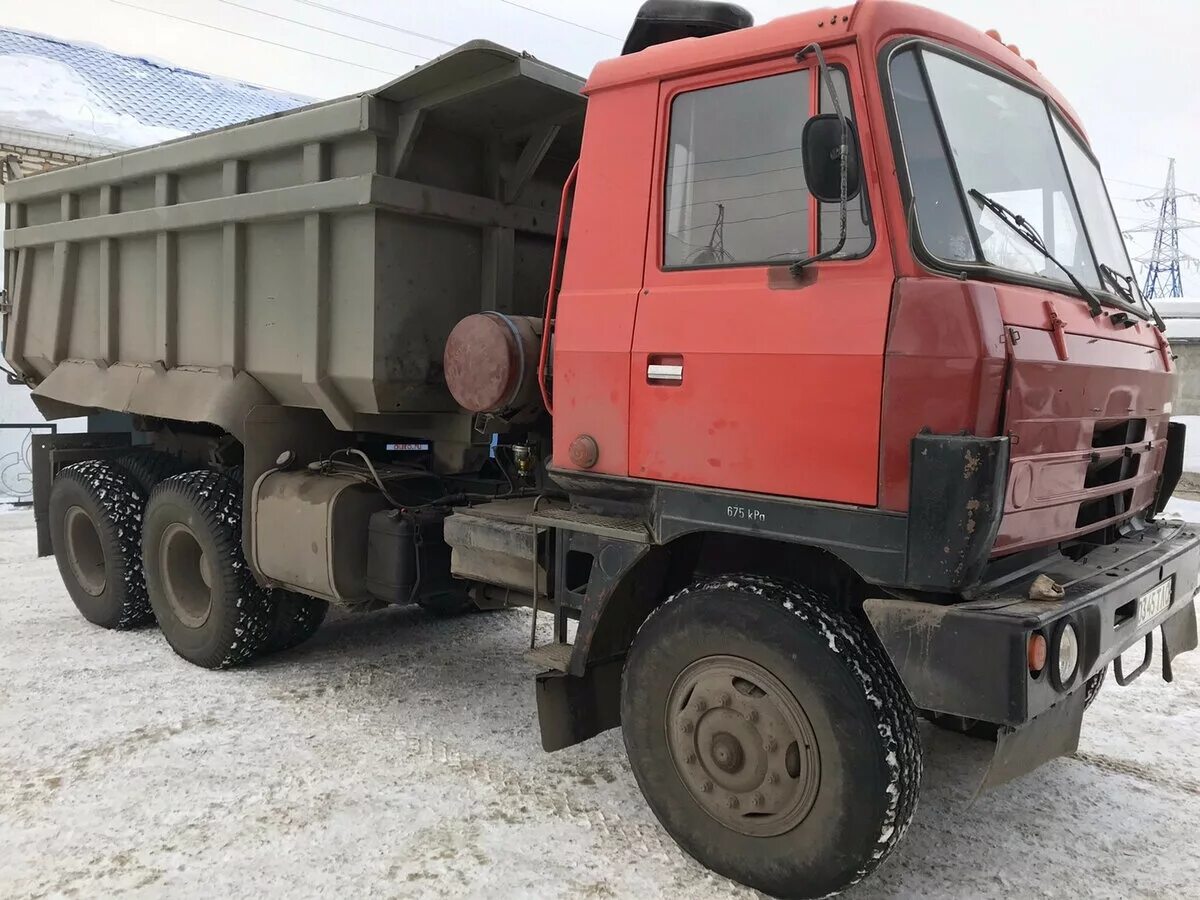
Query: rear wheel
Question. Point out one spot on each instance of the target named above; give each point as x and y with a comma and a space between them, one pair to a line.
294, 619
95, 528
770, 735
149, 467
204, 597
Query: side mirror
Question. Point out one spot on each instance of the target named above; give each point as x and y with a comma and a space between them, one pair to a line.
821, 149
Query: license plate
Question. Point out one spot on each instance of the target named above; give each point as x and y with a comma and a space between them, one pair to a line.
1154, 602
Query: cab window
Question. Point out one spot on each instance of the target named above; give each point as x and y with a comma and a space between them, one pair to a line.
735, 192
735, 189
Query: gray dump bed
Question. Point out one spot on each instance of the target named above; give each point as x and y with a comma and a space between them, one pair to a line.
316, 258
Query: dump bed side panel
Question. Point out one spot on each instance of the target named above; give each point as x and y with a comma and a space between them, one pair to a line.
316, 258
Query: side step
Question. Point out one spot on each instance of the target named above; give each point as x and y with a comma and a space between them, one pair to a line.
592, 523
556, 656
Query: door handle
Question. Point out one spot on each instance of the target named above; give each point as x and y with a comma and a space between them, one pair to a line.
664, 370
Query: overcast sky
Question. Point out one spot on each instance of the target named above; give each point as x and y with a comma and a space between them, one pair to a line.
1137, 91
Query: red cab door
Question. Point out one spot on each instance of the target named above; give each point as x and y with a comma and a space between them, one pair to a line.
743, 375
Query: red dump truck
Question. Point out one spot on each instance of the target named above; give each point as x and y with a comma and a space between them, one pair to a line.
796, 370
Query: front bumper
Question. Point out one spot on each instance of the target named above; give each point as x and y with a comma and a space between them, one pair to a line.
970, 659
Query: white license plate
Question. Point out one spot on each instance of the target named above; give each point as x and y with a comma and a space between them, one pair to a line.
1154, 602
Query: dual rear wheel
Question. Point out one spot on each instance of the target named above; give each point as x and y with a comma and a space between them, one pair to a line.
139, 540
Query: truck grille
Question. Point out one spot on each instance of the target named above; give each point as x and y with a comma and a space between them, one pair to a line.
1117, 434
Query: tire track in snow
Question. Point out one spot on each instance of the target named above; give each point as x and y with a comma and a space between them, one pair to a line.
1138, 772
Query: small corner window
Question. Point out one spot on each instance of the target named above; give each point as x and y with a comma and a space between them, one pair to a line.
735, 191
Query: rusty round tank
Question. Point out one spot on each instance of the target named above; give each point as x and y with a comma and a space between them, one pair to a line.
491, 362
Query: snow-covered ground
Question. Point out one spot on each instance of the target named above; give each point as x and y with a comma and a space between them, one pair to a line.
396, 755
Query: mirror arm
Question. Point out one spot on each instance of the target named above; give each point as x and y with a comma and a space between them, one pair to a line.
797, 267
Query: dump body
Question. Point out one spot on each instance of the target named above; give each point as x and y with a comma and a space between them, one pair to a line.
317, 258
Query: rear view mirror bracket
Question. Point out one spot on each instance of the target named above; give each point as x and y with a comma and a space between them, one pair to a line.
849, 183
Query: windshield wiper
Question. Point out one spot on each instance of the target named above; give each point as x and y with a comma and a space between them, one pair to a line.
1024, 230
1123, 284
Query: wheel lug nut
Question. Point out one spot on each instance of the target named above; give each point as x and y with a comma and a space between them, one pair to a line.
726, 700
691, 759
733, 803
759, 800
688, 727
773, 778
772, 745
701, 705
754, 715
706, 787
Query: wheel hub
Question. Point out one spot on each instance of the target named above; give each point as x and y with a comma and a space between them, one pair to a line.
85, 553
727, 752
742, 745
187, 575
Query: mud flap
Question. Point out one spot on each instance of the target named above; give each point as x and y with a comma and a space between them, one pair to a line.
1053, 734
572, 708
1178, 636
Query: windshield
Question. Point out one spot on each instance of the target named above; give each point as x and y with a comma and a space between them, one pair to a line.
964, 129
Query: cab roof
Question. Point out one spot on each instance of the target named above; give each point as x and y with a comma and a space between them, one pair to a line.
870, 23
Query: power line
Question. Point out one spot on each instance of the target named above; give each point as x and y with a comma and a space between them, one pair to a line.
341, 34
731, 199
790, 212
1150, 187
560, 19
381, 24
720, 159
159, 12
743, 174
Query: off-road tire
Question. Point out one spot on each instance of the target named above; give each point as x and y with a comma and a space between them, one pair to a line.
149, 467
101, 565
295, 618
229, 623
867, 742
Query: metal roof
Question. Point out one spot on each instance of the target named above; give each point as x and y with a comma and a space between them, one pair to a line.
154, 93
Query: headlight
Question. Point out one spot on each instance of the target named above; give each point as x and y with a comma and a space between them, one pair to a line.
1066, 654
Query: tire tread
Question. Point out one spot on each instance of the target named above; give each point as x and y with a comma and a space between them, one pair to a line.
896, 719
219, 502
122, 502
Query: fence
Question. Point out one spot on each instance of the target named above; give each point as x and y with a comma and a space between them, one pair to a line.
16, 470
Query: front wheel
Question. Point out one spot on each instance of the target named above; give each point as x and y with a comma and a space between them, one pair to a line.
770, 735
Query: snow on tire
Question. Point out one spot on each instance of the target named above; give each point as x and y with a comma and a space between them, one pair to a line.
149, 467
95, 515
206, 601
770, 734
